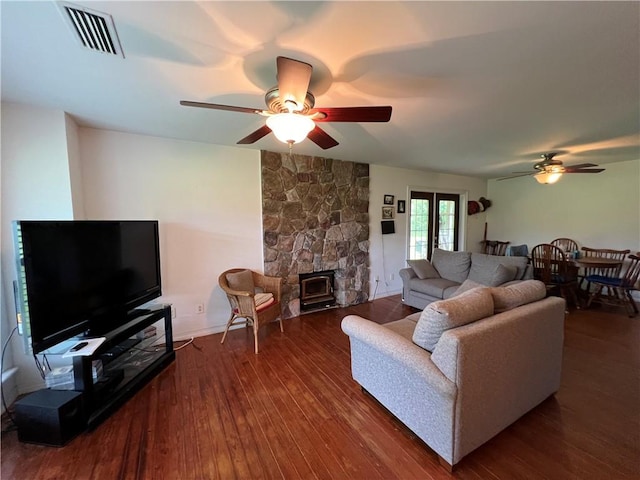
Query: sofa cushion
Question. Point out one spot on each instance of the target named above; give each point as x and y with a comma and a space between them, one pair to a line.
434, 287
404, 327
492, 275
443, 315
423, 268
452, 265
484, 261
466, 286
241, 281
521, 293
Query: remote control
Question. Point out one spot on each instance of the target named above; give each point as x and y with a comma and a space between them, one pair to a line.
79, 346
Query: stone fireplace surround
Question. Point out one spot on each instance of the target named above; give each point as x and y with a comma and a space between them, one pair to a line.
315, 216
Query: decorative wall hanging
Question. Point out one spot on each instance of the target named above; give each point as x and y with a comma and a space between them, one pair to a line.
481, 205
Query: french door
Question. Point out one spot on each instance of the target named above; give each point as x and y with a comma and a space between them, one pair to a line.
434, 222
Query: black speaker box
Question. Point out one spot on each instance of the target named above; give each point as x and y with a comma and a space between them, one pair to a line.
49, 417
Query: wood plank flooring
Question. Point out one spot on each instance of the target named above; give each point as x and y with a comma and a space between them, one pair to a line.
294, 412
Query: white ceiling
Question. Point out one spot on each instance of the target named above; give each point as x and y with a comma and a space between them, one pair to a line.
477, 88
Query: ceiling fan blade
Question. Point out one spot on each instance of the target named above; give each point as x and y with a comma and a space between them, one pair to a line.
352, 114
518, 175
586, 170
582, 165
255, 136
321, 138
293, 80
216, 106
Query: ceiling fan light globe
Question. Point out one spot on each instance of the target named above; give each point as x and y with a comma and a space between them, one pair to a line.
547, 177
290, 127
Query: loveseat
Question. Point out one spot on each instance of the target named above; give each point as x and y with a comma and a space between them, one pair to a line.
426, 281
465, 368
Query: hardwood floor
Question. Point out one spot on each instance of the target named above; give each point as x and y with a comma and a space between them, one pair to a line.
293, 411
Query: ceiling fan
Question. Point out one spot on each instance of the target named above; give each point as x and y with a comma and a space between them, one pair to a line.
290, 112
550, 170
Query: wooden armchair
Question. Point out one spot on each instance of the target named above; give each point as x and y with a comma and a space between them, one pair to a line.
253, 297
618, 289
551, 266
610, 270
494, 247
566, 244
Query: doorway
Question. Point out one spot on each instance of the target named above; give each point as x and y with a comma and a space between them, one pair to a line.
434, 222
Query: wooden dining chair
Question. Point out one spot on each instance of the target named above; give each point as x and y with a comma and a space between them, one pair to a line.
618, 290
566, 244
556, 271
605, 270
494, 247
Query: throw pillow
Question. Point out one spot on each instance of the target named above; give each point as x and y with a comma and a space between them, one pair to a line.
521, 293
453, 266
466, 286
443, 315
423, 269
242, 281
492, 275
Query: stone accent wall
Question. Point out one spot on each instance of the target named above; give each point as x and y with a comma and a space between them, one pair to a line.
315, 216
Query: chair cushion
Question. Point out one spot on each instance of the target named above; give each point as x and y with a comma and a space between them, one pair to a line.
261, 298
521, 293
614, 282
443, 315
241, 281
265, 305
423, 268
452, 265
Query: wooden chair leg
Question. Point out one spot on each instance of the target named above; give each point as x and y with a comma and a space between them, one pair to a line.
281, 328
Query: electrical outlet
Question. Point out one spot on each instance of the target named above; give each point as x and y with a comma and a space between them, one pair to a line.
200, 308
377, 279
392, 276
173, 311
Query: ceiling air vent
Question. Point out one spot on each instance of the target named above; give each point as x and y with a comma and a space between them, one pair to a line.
94, 30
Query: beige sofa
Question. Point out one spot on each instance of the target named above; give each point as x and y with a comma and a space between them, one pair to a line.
465, 368
426, 281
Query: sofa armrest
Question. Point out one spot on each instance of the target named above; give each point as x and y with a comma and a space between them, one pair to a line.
394, 346
402, 377
407, 274
503, 366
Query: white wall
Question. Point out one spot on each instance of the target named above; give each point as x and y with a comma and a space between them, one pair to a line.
388, 253
35, 185
208, 202
598, 210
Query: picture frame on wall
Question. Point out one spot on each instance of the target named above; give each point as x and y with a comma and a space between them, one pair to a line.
387, 213
401, 206
388, 199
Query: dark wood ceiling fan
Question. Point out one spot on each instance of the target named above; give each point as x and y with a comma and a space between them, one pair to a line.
290, 101
550, 170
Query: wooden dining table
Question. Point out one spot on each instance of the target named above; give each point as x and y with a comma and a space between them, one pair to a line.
597, 262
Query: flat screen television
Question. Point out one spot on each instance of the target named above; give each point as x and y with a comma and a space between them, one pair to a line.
84, 277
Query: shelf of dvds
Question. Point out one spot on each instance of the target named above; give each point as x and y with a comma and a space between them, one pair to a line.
131, 356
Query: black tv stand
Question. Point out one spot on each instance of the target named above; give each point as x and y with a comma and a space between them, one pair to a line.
129, 362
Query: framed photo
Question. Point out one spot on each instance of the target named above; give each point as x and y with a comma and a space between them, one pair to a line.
387, 213
401, 206
388, 199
